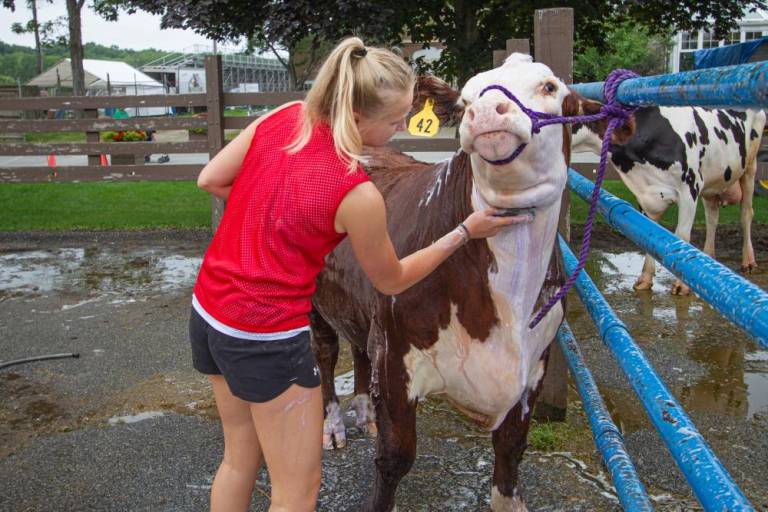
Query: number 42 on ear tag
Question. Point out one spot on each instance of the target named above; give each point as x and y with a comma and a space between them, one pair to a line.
424, 123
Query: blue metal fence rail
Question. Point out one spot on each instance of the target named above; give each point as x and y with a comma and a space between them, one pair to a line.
744, 304
608, 439
709, 480
740, 86
740, 301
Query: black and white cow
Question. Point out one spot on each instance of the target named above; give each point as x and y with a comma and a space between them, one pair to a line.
679, 154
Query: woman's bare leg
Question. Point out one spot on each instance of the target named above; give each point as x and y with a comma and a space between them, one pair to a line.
233, 484
290, 431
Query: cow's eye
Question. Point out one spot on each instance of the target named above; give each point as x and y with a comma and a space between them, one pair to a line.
550, 87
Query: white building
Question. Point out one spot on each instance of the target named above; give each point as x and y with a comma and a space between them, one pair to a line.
753, 25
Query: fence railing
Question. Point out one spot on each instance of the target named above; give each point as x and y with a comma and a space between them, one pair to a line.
215, 101
738, 300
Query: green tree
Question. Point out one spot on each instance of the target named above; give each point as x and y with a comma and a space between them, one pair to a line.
74, 9
18, 62
627, 45
470, 29
40, 31
303, 28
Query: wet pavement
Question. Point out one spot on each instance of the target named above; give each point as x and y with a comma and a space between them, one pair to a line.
130, 426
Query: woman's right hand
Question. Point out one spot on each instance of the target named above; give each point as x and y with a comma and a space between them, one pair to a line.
486, 223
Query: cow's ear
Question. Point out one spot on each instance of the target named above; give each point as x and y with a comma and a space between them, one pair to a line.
577, 105
571, 105
443, 96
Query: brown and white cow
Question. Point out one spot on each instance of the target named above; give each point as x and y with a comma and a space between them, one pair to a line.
678, 154
464, 330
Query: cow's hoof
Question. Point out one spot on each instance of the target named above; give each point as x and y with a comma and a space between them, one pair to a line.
364, 415
501, 503
748, 268
642, 284
334, 433
680, 288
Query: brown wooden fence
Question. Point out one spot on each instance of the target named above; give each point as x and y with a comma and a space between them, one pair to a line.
214, 100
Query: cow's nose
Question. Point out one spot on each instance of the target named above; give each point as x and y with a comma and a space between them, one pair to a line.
489, 111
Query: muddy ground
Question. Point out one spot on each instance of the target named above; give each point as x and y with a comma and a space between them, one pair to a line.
130, 426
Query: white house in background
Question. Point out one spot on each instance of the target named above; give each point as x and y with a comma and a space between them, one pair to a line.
105, 77
753, 25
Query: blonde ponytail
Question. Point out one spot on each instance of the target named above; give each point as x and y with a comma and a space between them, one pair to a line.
351, 80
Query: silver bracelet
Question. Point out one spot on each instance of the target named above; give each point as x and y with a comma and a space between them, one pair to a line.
464, 228
462, 232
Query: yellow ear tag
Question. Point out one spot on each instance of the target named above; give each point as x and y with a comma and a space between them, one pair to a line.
424, 123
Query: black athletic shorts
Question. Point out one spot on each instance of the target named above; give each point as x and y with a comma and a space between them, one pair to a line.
256, 371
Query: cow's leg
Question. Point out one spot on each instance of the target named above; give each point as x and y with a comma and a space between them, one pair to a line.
645, 281
747, 182
712, 214
365, 418
325, 344
396, 422
685, 217
509, 443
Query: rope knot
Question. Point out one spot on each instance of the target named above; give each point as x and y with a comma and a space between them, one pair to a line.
617, 111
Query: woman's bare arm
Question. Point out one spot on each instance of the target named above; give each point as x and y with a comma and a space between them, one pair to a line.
219, 174
362, 215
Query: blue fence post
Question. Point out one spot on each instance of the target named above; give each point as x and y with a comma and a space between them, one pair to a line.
608, 439
740, 86
740, 301
709, 480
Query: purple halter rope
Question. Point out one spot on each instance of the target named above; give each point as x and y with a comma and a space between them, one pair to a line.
617, 113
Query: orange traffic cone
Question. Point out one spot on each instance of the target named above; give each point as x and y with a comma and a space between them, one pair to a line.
51, 160
103, 160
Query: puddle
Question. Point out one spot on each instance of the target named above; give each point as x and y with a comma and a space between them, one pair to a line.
135, 418
618, 272
98, 269
713, 366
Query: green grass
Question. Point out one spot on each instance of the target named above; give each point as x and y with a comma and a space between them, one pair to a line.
728, 215
54, 137
550, 437
146, 205
103, 206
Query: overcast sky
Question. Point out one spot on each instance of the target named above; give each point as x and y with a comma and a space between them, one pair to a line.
136, 31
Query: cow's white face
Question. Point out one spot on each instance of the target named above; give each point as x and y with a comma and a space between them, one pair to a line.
493, 127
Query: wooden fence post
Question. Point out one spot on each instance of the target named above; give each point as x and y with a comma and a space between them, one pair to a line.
498, 57
519, 46
553, 44
92, 113
214, 92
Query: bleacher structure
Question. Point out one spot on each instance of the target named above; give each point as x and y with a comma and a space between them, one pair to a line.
185, 72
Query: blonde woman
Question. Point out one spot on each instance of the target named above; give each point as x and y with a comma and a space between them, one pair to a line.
295, 188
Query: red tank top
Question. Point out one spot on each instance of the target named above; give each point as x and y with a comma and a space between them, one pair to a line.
258, 274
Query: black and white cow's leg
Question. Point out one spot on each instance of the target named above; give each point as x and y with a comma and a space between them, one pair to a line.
396, 422
509, 443
325, 344
685, 217
712, 215
747, 182
645, 281
365, 418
